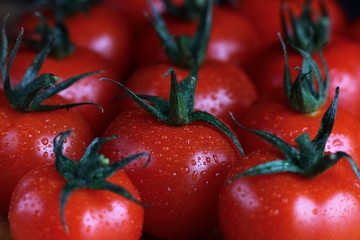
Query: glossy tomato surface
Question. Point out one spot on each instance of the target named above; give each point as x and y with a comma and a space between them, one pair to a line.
287, 206
105, 32
225, 44
99, 29
272, 113
26, 141
221, 88
182, 181
90, 214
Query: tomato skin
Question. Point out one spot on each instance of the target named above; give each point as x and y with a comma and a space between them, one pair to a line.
221, 88
342, 58
272, 113
109, 35
187, 168
134, 11
288, 206
26, 141
88, 89
265, 16
224, 44
90, 214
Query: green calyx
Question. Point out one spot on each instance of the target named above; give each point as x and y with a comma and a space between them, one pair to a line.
32, 90
184, 50
90, 172
67, 7
179, 110
190, 10
302, 94
310, 31
57, 34
310, 160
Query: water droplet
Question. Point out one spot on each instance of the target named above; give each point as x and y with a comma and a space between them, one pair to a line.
207, 159
193, 162
184, 170
194, 175
315, 211
45, 141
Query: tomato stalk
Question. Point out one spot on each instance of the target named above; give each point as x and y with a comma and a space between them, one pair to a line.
310, 160
32, 90
310, 31
302, 94
90, 172
179, 110
184, 50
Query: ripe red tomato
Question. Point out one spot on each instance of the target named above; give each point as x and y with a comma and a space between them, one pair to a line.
187, 168
134, 11
225, 44
288, 206
344, 71
100, 30
88, 89
221, 88
90, 214
26, 141
273, 114
265, 16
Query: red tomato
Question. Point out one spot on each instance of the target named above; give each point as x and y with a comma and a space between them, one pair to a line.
225, 44
100, 30
88, 89
342, 58
287, 206
26, 141
187, 168
272, 113
90, 214
134, 11
265, 16
221, 88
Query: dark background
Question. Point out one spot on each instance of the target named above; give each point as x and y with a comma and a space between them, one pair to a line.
352, 7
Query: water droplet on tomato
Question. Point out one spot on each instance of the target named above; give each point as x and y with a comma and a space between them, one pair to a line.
45, 141
184, 170
194, 175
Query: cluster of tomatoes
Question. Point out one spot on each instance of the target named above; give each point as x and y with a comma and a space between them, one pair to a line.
115, 121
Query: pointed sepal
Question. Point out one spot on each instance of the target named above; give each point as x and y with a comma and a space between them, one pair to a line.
90, 172
310, 159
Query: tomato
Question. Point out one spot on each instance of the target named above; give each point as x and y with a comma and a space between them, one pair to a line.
288, 206
90, 214
187, 168
221, 87
88, 89
342, 58
273, 114
26, 141
265, 16
224, 43
134, 11
109, 35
